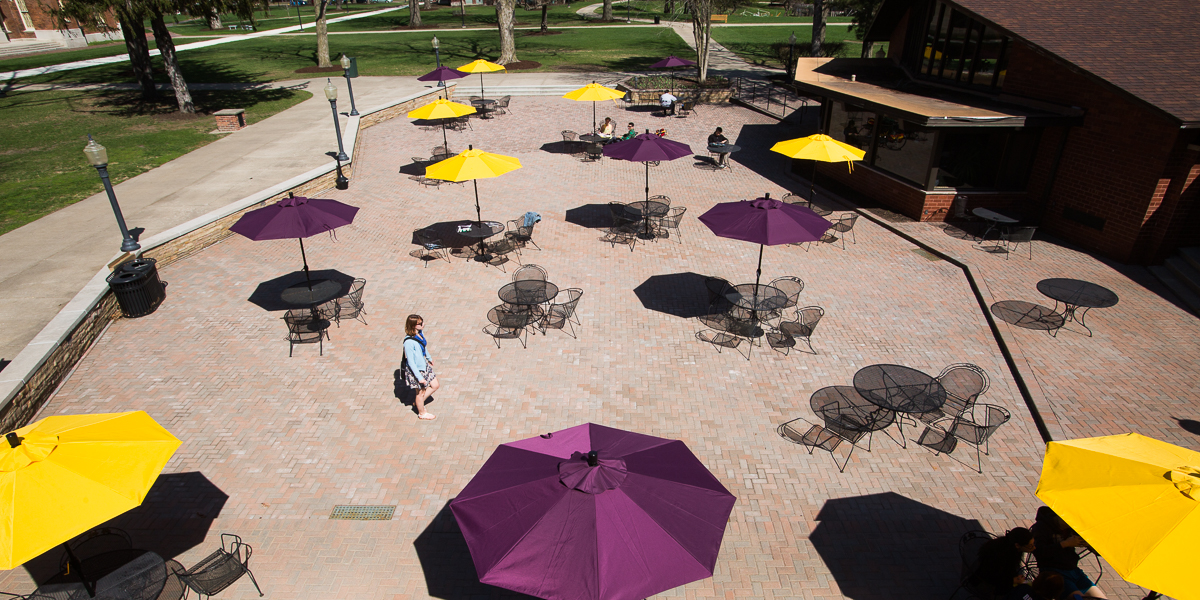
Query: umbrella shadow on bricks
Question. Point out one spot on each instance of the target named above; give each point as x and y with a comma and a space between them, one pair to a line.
909, 548
175, 517
446, 562
679, 294
267, 294
592, 216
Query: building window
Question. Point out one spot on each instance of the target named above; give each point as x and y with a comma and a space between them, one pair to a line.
993, 159
851, 124
24, 10
960, 50
904, 150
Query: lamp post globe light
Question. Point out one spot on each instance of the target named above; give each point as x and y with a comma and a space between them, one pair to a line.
331, 95
97, 156
791, 57
346, 64
437, 54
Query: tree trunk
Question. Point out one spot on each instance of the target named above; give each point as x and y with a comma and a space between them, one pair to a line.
322, 35
139, 51
266, 9
414, 14
545, 9
504, 21
214, 18
669, 7
818, 28
701, 28
166, 47
607, 14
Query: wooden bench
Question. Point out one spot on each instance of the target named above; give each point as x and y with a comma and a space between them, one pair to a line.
718, 19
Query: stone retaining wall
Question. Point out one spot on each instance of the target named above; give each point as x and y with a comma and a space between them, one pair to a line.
34, 374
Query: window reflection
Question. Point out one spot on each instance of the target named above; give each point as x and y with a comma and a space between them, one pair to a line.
960, 49
851, 124
904, 150
990, 159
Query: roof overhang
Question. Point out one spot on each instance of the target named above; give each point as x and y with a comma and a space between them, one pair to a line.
921, 105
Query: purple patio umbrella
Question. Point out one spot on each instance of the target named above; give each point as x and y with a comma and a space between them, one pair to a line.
593, 513
766, 222
672, 61
295, 217
442, 74
647, 148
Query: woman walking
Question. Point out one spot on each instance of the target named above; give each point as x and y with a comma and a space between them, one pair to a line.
418, 367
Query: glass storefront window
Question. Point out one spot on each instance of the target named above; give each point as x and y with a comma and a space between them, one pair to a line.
958, 48
989, 159
904, 150
851, 124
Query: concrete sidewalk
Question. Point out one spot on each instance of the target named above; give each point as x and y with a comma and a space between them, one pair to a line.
48, 261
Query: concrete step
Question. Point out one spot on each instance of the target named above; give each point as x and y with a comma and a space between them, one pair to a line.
18, 47
1184, 272
516, 90
1192, 255
1181, 289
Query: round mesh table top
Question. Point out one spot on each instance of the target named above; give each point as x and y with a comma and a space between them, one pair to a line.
304, 294
757, 297
1078, 293
476, 229
528, 292
899, 388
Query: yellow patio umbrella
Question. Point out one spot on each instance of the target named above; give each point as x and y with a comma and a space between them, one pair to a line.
593, 92
1135, 500
441, 109
481, 66
819, 147
64, 475
474, 165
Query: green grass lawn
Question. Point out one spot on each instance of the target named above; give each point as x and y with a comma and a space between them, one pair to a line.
753, 44
46, 59
477, 16
279, 18
408, 54
744, 14
42, 167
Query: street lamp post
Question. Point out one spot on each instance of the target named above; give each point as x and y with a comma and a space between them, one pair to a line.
98, 157
331, 95
437, 54
791, 57
346, 70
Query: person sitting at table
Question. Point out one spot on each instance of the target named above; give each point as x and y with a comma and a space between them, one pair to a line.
1055, 553
718, 139
629, 135
607, 128
668, 101
1000, 560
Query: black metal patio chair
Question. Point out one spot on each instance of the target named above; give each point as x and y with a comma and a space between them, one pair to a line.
844, 225
792, 286
719, 339
964, 383
221, 569
530, 272
1013, 238
562, 315
350, 306
521, 234
303, 328
97, 542
670, 221
625, 234
571, 142
717, 288
594, 151
818, 436
431, 247
977, 432
783, 338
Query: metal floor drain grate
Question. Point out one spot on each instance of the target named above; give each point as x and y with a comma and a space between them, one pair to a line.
925, 254
362, 513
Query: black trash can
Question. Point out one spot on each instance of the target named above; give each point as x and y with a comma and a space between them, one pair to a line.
657, 20
137, 287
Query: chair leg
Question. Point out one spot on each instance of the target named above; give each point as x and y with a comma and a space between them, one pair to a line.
254, 581
842, 467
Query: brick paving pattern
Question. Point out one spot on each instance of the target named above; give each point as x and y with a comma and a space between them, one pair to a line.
271, 444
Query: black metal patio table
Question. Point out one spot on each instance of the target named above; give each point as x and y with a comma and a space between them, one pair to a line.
723, 149
484, 106
1076, 294
528, 292
311, 295
643, 211
842, 406
901, 389
592, 138
480, 230
757, 297
129, 574
994, 220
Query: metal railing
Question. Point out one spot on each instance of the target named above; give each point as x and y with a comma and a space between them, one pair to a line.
769, 97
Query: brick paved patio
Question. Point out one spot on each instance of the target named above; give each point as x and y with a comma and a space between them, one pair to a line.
286, 439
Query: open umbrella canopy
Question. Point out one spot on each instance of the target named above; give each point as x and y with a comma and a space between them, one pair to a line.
647, 147
594, 92
481, 66
672, 61
472, 164
818, 147
1135, 500
592, 512
442, 74
294, 217
63, 475
765, 221
441, 109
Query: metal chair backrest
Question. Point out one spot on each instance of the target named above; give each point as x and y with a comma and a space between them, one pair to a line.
792, 286
661, 198
964, 383
427, 239
1021, 235
717, 288
808, 318
978, 432
568, 307
620, 215
440, 150
968, 550
958, 207
220, 569
845, 223
356, 290
674, 217
530, 272
569, 136
298, 321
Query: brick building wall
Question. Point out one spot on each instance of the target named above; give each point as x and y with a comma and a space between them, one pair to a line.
41, 24
1113, 167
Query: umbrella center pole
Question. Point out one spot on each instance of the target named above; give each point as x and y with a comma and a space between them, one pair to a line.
444, 142
482, 96
647, 181
812, 183
73, 563
305, 259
